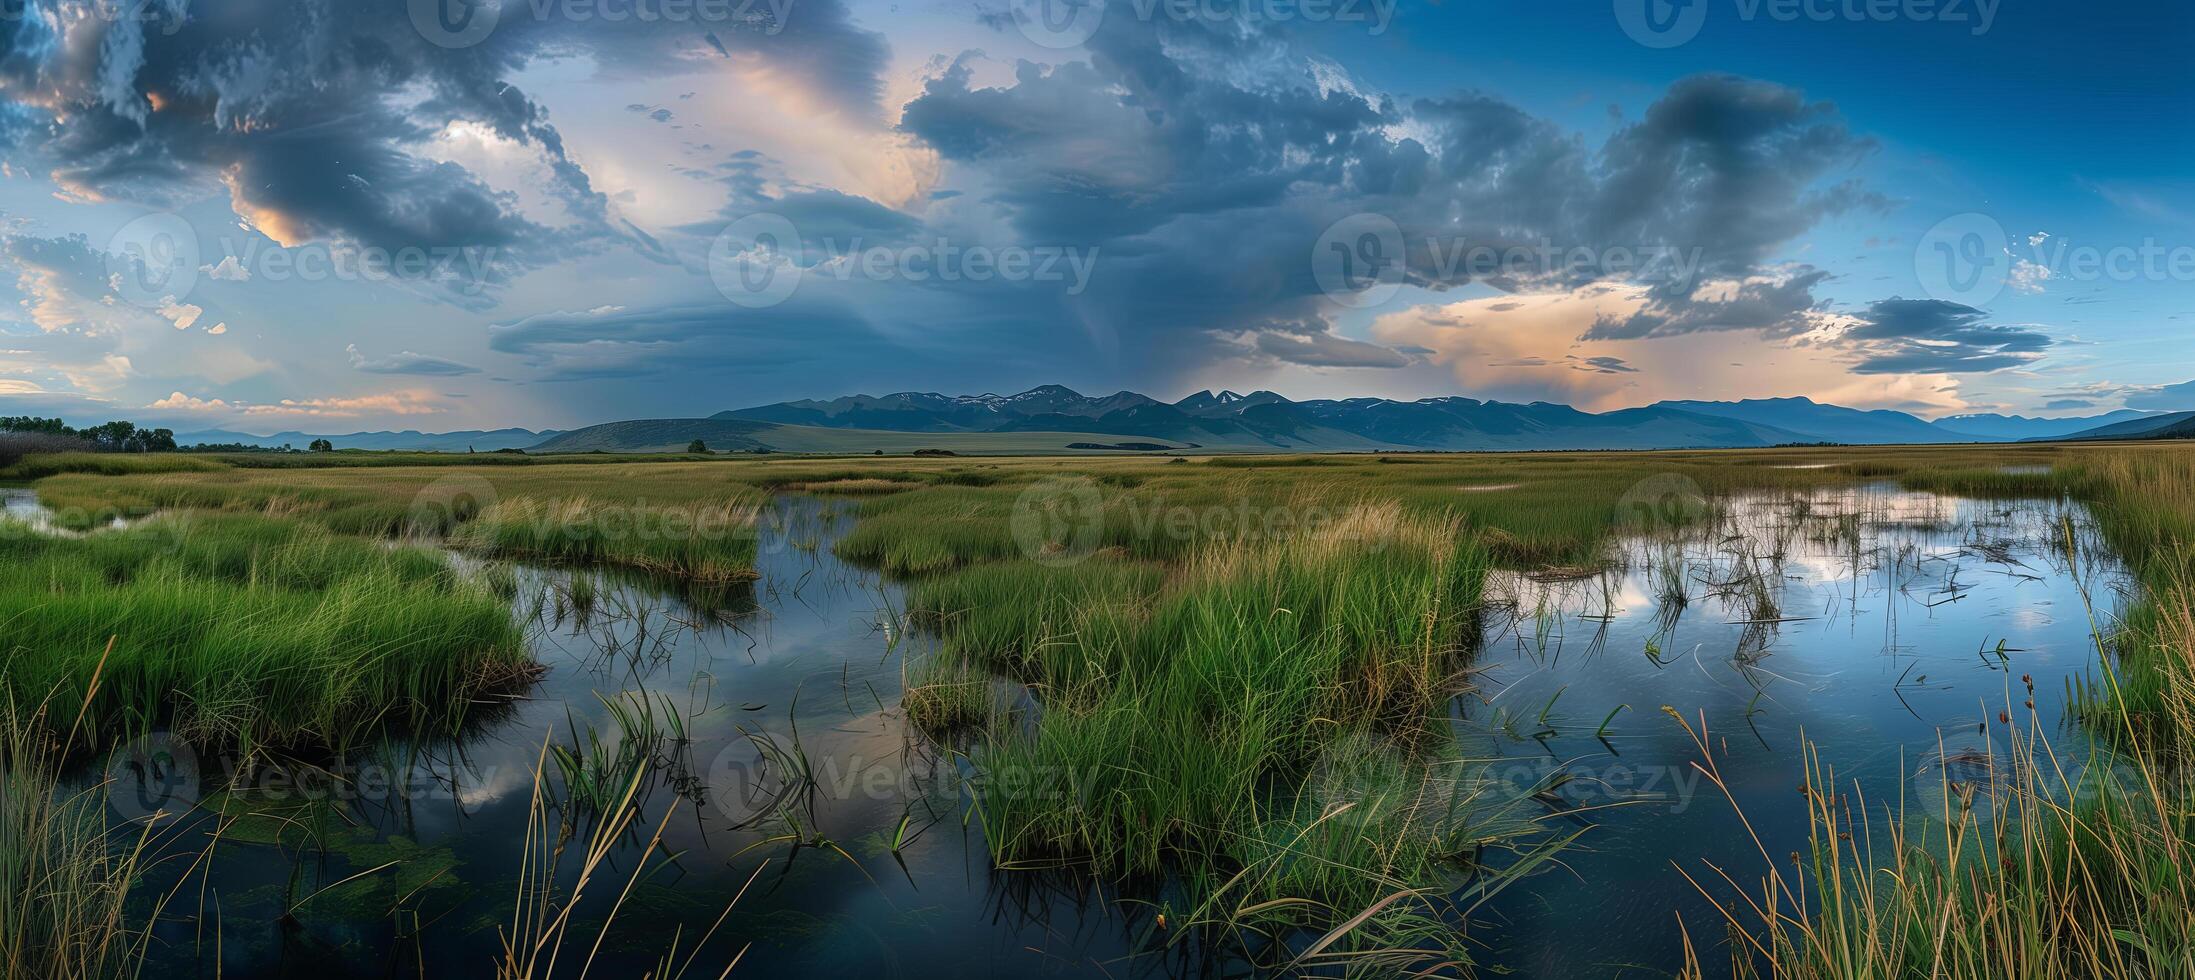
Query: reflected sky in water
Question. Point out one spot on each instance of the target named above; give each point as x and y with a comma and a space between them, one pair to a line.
1877, 623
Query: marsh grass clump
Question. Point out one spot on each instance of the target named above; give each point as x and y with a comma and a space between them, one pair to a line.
1003, 616
1182, 728
711, 544
645, 735
245, 630
943, 695
40, 465
935, 531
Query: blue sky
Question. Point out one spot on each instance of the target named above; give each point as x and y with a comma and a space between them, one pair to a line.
266, 215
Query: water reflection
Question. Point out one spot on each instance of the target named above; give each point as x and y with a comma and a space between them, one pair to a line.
1887, 626
764, 719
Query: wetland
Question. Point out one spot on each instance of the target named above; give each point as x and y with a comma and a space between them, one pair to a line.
1582, 714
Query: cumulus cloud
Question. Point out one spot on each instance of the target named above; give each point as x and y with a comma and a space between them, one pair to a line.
181, 314
2027, 276
226, 270
351, 406
180, 402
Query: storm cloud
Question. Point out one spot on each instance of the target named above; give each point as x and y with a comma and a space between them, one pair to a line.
1931, 336
1207, 187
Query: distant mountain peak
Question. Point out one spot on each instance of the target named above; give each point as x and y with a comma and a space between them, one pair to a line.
1048, 391
1265, 419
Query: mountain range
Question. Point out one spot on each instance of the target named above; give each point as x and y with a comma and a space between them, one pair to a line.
1053, 418
2176, 425
1263, 420
2023, 427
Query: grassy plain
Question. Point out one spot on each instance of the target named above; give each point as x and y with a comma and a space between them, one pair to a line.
1208, 641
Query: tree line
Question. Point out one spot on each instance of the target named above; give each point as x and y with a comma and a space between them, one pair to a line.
111, 437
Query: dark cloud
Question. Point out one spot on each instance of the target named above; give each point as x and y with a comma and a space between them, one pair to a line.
1602, 365
827, 220
1206, 183
406, 362
1730, 167
1071, 157
1929, 336
1772, 306
306, 113
1321, 348
614, 342
2061, 404
1201, 161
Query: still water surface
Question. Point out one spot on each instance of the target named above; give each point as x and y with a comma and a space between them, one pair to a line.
1884, 626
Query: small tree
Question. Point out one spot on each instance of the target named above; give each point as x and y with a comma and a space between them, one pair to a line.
697, 446
321, 446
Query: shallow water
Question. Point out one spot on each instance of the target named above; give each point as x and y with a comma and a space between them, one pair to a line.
809, 659
1899, 619
21, 507
1886, 627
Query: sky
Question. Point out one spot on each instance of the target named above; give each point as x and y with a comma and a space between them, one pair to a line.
341, 215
